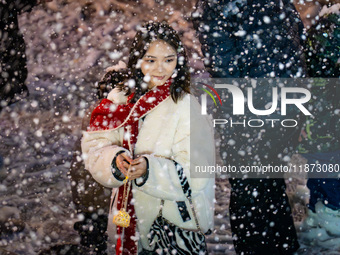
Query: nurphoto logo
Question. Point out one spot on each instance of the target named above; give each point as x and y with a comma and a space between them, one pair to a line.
245, 101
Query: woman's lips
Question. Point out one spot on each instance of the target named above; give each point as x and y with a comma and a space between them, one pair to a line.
159, 77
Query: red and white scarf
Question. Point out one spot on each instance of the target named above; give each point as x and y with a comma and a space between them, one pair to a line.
108, 116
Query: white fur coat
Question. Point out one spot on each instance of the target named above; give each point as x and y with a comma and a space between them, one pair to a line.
171, 131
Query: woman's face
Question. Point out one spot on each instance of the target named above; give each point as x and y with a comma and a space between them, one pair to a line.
158, 63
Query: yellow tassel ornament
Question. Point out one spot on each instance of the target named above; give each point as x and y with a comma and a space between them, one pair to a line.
122, 218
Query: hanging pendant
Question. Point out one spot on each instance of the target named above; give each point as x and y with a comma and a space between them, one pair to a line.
122, 218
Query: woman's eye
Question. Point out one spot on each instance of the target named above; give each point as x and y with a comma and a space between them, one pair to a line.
169, 60
149, 60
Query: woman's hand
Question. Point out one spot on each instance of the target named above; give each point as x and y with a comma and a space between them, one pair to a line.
137, 168
123, 162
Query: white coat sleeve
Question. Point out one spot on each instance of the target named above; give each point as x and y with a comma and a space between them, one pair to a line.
193, 145
98, 150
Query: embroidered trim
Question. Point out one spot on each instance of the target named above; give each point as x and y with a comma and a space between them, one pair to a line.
183, 180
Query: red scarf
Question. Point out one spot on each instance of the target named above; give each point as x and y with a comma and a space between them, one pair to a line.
109, 115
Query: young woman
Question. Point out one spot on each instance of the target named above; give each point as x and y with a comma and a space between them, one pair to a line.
150, 132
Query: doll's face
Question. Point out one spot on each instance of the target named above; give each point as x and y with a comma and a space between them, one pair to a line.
158, 63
